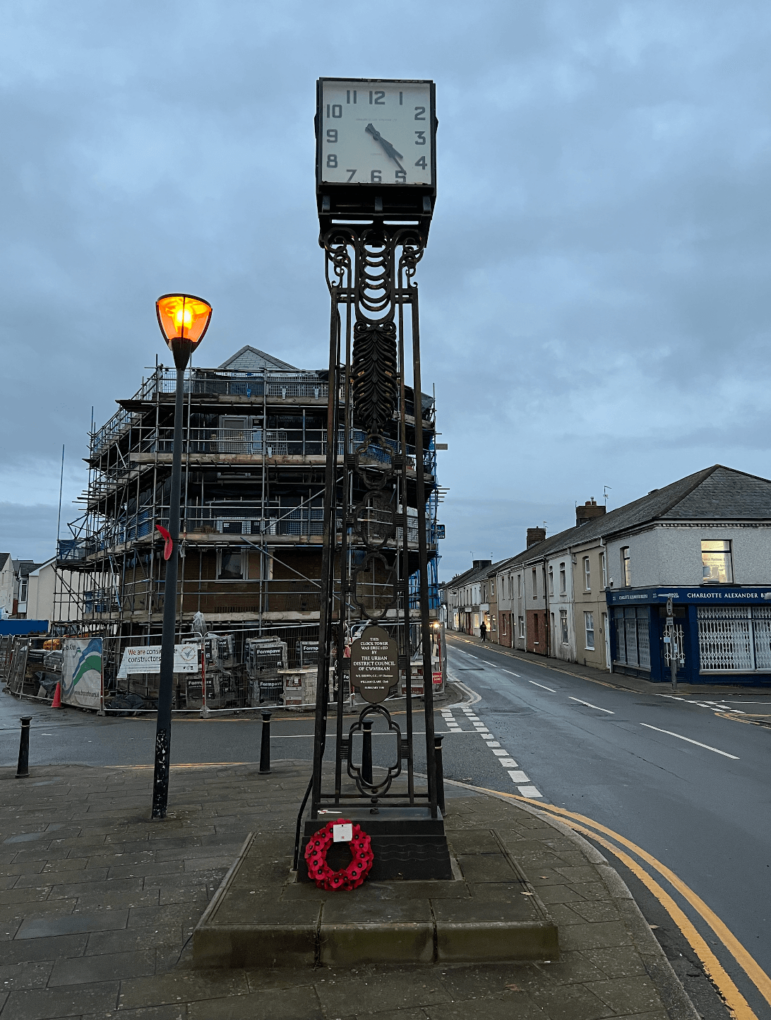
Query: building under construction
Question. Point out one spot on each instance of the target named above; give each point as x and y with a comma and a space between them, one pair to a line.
251, 516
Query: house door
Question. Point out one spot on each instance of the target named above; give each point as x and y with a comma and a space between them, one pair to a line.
606, 638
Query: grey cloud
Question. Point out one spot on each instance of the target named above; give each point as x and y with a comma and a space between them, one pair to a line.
594, 293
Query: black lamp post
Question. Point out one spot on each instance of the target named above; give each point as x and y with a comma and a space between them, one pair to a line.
183, 320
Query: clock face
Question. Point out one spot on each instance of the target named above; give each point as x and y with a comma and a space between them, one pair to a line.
376, 132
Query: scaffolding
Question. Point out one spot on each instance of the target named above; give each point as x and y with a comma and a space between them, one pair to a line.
251, 510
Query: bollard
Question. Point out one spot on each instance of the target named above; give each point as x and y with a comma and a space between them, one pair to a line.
22, 772
439, 771
366, 753
265, 745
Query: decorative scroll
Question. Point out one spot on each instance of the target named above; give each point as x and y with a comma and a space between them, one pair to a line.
374, 374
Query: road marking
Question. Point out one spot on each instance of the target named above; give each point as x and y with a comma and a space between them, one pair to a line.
500, 753
508, 763
542, 685
510, 671
736, 1001
519, 777
745, 960
493, 743
588, 705
696, 742
530, 791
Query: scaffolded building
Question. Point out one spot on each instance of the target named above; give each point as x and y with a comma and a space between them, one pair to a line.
251, 514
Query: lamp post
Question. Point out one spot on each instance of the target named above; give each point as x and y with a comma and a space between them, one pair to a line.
183, 320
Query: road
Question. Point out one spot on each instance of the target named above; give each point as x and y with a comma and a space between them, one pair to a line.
673, 776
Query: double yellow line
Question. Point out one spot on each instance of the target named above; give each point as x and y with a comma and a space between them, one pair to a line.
735, 1001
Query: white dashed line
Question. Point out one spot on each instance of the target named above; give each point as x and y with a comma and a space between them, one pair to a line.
500, 753
588, 705
542, 686
508, 763
509, 671
519, 777
696, 742
530, 791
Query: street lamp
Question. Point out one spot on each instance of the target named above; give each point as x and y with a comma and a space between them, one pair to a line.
184, 320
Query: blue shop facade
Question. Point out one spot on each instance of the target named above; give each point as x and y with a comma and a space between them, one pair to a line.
724, 631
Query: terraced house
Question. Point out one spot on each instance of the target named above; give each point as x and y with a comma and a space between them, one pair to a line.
597, 593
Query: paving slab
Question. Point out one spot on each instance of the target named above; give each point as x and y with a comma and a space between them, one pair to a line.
62, 957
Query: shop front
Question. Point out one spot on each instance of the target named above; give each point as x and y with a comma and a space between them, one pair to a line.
724, 633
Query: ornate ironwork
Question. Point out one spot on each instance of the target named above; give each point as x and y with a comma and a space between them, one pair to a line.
373, 789
380, 541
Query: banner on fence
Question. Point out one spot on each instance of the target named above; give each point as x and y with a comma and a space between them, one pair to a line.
147, 659
82, 672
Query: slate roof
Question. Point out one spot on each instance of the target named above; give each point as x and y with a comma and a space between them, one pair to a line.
715, 493
3, 559
249, 359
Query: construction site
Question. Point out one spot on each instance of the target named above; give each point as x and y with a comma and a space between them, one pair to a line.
255, 445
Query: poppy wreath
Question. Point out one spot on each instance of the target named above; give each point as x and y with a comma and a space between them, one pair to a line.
347, 878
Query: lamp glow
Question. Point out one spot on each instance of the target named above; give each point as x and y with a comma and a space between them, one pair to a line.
183, 317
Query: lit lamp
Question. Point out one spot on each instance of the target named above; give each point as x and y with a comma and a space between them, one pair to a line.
184, 320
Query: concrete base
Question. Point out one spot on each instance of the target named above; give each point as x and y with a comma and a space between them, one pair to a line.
261, 916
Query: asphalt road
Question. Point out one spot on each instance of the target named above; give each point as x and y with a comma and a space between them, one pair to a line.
687, 785
672, 775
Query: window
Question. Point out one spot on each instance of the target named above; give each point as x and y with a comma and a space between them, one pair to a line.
492, 588
587, 575
564, 626
519, 586
231, 565
626, 573
633, 636
589, 629
535, 583
716, 566
536, 639
563, 580
503, 624
23, 584
603, 570
521, 622
734, 639
551, 580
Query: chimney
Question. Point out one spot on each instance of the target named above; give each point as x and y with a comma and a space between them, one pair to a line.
535, 535
478, 564
588, 511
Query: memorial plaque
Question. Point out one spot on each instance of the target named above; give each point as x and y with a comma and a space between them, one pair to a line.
374, 664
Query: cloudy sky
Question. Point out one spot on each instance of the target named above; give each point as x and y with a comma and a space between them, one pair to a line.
595, 296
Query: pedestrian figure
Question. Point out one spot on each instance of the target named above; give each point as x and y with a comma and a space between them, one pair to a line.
483, 630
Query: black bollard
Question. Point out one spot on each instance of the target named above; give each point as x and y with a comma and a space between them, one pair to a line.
22, 772
439, 771
366, 753
265, 745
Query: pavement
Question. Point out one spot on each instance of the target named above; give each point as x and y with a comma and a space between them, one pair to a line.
98, 905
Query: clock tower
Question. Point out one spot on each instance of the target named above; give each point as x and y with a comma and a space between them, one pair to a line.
376, 188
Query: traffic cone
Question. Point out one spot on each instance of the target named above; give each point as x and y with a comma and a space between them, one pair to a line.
57, 702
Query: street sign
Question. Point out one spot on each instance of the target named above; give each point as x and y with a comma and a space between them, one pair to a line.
374, 664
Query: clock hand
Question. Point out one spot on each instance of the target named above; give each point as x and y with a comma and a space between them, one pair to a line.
389, 149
